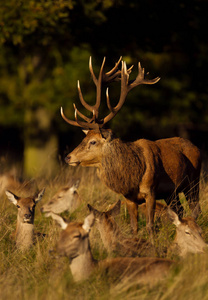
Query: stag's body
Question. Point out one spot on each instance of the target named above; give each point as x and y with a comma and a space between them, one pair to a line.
24, 234
142, 171
74, 243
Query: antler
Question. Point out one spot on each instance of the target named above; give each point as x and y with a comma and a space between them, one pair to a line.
126, 86
113, 75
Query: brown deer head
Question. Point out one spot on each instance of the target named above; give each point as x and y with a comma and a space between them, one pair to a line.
66, 199
26, 206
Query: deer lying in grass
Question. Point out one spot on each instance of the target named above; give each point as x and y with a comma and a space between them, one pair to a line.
188, 237
142, 171
74, 243
24, 235
66, 199
114, 241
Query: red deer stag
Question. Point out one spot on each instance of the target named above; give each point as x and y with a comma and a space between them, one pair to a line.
144, 170
74, 244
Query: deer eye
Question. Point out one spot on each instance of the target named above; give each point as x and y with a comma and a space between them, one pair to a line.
187, 232
93, 142
18, 206
77, 236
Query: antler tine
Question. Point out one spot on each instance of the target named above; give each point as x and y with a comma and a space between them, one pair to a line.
141, 80
84, 124
115, 74
77, 122
88, 120
91, 71
124, 91
115, 67
98, 87
68, 120
108, 101
84, 103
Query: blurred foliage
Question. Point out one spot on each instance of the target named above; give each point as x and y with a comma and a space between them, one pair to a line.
45, 46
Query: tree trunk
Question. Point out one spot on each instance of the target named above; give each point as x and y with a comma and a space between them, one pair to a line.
41, 143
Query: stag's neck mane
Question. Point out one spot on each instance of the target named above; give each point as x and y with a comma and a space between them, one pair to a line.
119, 167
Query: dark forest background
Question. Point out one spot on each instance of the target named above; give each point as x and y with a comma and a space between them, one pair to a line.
45, 47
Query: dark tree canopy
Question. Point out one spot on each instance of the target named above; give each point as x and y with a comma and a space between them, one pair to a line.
45, 46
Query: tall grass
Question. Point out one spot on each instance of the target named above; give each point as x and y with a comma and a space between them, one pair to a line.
37, 275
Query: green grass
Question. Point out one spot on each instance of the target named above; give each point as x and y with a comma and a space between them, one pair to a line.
37, 275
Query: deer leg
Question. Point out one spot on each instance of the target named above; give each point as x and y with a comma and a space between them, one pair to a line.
132, 208
150, 211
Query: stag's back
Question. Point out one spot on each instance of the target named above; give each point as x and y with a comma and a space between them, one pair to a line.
188, 154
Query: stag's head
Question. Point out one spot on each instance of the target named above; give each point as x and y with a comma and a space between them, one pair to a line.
26, 206
88, 153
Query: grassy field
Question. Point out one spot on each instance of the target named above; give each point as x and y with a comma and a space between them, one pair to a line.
37, 275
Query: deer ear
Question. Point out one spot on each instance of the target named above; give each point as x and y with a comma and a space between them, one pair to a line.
88, 222
107, 134
173, 217
12, 197
94, 211
75, 186
85, 131
90, 207
196, 211
116, 209
59, 220
39, 196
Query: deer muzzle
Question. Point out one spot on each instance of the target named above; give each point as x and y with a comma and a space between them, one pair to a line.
27, 218
71, 162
